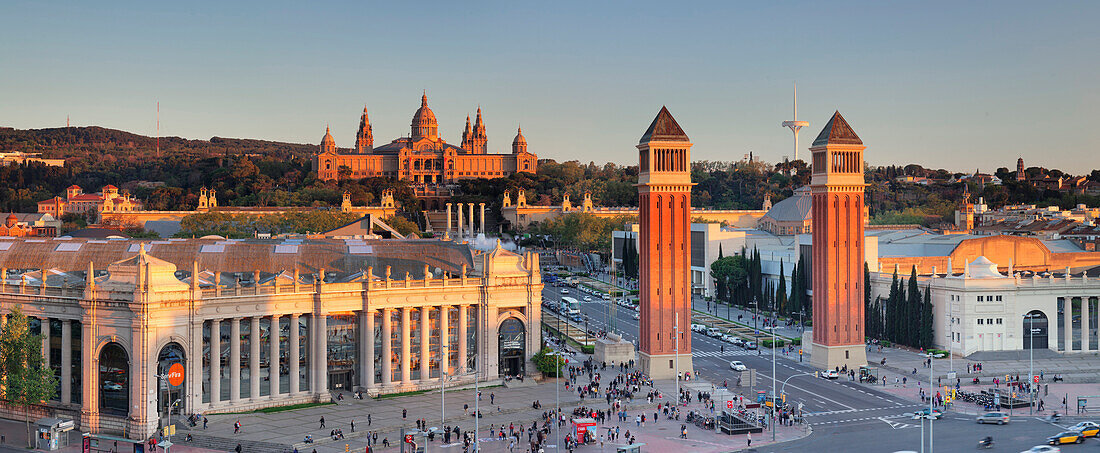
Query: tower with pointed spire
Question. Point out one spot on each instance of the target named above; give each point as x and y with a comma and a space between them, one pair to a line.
476, 141
664, 203
364, 139
795, 125
837, 187
1020, 175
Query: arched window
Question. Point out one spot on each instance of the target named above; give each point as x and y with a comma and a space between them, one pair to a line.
114, 380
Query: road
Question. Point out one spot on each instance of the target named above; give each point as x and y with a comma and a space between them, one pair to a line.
842, 413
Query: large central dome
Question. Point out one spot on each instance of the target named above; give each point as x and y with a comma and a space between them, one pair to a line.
423, 122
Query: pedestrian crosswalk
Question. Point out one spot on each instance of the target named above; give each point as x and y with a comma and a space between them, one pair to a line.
730, 352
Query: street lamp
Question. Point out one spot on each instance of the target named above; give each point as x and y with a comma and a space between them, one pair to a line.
931, 361
1030, 361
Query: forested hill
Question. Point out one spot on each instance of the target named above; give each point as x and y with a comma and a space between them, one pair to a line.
78, 143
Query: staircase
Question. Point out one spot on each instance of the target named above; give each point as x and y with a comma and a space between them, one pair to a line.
222, 444
438, 222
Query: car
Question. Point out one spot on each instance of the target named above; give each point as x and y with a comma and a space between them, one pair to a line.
737, 341
698, 328
830, 374
750, 345
635, 315
1042, 449
728, 338
588, 298
606, 297
736, 365
999, 418
924, 413
1066, 437
1087, 429
714, 332
564, 291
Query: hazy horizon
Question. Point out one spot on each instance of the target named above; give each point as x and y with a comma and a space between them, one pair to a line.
943, 85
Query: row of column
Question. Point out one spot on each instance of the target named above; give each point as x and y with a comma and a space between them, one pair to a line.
1085, 331
318, 359
66, 355
469, 228
368, 352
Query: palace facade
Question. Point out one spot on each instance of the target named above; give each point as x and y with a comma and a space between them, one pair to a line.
109, 200
258, 323
422, 158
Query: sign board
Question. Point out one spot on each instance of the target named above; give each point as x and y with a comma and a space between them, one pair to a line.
952, 375
729, 404
408, 438
996, 399
175, 374
1035, 378
169, 430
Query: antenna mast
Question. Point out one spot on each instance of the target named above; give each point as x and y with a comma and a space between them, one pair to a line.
795, 124
158, 129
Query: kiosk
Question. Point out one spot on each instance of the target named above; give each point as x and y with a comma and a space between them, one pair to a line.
52, 433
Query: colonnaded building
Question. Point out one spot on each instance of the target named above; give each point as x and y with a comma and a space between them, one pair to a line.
423, 157
260, 323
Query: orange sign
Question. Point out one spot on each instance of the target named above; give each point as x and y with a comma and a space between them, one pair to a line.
175, 374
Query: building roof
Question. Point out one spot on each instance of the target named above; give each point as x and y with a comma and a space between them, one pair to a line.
795, 208
664, 128
837, 132
244, 255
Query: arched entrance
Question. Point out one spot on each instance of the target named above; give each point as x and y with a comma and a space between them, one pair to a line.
513, 351
171, 397
1035, 330
114, 380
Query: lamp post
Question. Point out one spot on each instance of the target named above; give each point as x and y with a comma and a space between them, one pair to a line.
931, 362
774, 405
1030, 361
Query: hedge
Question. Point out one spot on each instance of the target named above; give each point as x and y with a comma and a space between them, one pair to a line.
767, 343
796, 341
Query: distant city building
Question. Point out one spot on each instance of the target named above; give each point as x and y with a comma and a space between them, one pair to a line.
21, 158
108, 201
792, 215
423, 158
24, 225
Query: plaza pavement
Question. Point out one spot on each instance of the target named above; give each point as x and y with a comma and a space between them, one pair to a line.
511, 405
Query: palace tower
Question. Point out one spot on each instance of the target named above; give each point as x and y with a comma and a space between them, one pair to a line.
664, 201
838, 212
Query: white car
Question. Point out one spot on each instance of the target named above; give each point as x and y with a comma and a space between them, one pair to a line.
606, 297
635, 315
737, 341
830, 374
564, 291
736, 365
1042, 449
587, 298
698, 328
729, 339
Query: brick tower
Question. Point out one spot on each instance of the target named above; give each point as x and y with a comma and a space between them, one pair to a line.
664, 202
838, 212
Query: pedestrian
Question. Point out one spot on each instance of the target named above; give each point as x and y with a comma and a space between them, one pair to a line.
749, 438
353, 426
238, 449
492, 398
204, 421
236, 427
322, 422
404, 414
368, 420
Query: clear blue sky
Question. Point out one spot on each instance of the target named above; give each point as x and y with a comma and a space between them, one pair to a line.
954, 85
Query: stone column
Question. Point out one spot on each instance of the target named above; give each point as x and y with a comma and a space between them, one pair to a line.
368, 346
320, 353
405, 346
425, 344
459, 220
471, 219
66, 361
254, 360
462, 334
1085, 337
1067, 323
387, 346
448, 218
482, 205
45, 323
294, 343
89, 386
193, 367
444, 342
215, 361
235, 360
273, 336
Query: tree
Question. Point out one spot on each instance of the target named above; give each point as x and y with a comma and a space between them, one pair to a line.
926, 319
892, 318
27, 380
403, 226
868, 309
781, 291
913, 312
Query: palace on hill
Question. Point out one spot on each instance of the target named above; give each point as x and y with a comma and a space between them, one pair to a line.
422, 158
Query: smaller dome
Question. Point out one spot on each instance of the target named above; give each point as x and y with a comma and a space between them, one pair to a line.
424, 123
327, 139
519, 140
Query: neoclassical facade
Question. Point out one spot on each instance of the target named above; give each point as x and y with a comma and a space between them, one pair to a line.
255, 324
423, 157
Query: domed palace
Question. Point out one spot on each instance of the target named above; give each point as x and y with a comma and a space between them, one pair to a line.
423, 158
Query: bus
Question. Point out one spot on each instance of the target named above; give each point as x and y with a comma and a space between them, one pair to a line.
570, 308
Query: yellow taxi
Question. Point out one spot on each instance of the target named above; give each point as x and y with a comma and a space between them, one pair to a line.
1066, 437
1087, 429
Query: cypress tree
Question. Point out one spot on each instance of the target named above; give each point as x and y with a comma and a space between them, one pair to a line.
868, 312
781, 292
892, 309
913, 305
803, 285
719, 250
